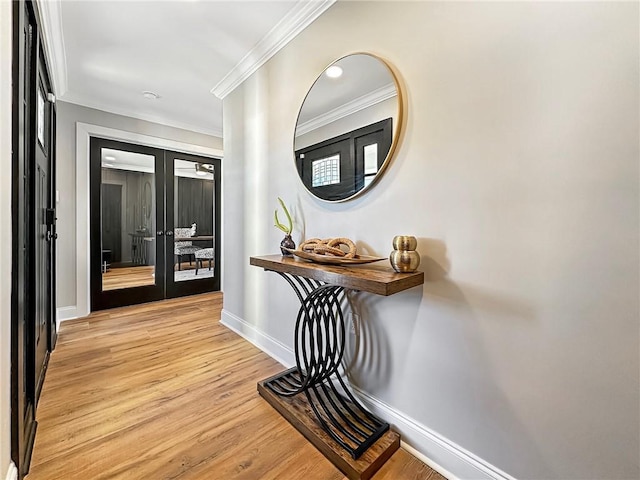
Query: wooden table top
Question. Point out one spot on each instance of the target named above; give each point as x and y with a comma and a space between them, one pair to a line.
378, 278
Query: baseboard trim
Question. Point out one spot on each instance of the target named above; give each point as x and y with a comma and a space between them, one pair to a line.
12, 472
66, 313
441, 454
428, 461
269, 345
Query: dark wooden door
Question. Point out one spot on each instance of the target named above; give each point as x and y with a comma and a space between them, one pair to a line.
23, 424
33, 211
125, 216
42, 267
175, 193
192, 195
112, 222
43, 224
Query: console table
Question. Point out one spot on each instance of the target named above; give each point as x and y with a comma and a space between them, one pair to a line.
313, 396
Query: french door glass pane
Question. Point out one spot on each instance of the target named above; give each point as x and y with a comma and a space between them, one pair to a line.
128, 200
193, 219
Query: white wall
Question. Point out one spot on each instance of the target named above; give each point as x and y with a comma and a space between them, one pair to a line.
233, 221
518, 171
362, 118
5, 238
68, 115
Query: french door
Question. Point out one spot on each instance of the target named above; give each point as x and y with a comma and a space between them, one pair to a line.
155, 221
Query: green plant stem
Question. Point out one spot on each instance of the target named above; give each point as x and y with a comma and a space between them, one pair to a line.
278, 224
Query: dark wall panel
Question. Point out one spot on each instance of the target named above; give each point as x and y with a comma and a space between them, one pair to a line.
112, 220
195, 204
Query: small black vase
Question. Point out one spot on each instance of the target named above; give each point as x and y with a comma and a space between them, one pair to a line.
287, 242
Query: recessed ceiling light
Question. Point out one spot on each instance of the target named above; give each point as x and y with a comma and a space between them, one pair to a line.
333, 71
150, 95
105, 164
109, 157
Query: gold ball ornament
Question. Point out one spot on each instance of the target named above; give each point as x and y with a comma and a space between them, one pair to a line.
404, 258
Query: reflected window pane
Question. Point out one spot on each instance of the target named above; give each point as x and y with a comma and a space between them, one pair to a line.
127, 219
368, 180
325, 171
193, 210
370, 159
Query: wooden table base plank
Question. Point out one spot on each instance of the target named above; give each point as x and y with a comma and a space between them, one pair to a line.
298, 412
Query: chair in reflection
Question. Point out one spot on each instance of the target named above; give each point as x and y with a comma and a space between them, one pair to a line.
203, 254
183, 247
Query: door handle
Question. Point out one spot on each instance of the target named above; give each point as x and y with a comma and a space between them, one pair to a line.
51, 236
169, 233
159, 233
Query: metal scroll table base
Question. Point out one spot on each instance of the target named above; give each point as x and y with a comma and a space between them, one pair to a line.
313, 397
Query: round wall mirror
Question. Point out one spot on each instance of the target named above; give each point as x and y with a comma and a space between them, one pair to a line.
348, 127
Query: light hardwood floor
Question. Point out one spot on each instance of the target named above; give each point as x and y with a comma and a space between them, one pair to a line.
163, 391
128, 277
136, 276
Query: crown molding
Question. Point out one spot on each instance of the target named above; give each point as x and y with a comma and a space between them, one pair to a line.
83, 102
349, 108
51, 16
299, 18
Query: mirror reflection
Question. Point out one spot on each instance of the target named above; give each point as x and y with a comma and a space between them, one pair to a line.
347, 127
127, 220
193, 209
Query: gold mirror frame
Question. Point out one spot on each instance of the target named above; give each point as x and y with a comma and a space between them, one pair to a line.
396, 127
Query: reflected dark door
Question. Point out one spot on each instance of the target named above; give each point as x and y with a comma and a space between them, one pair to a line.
328, 169
371, 151
340, 167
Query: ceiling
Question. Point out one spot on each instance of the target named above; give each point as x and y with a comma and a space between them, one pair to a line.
105, 54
